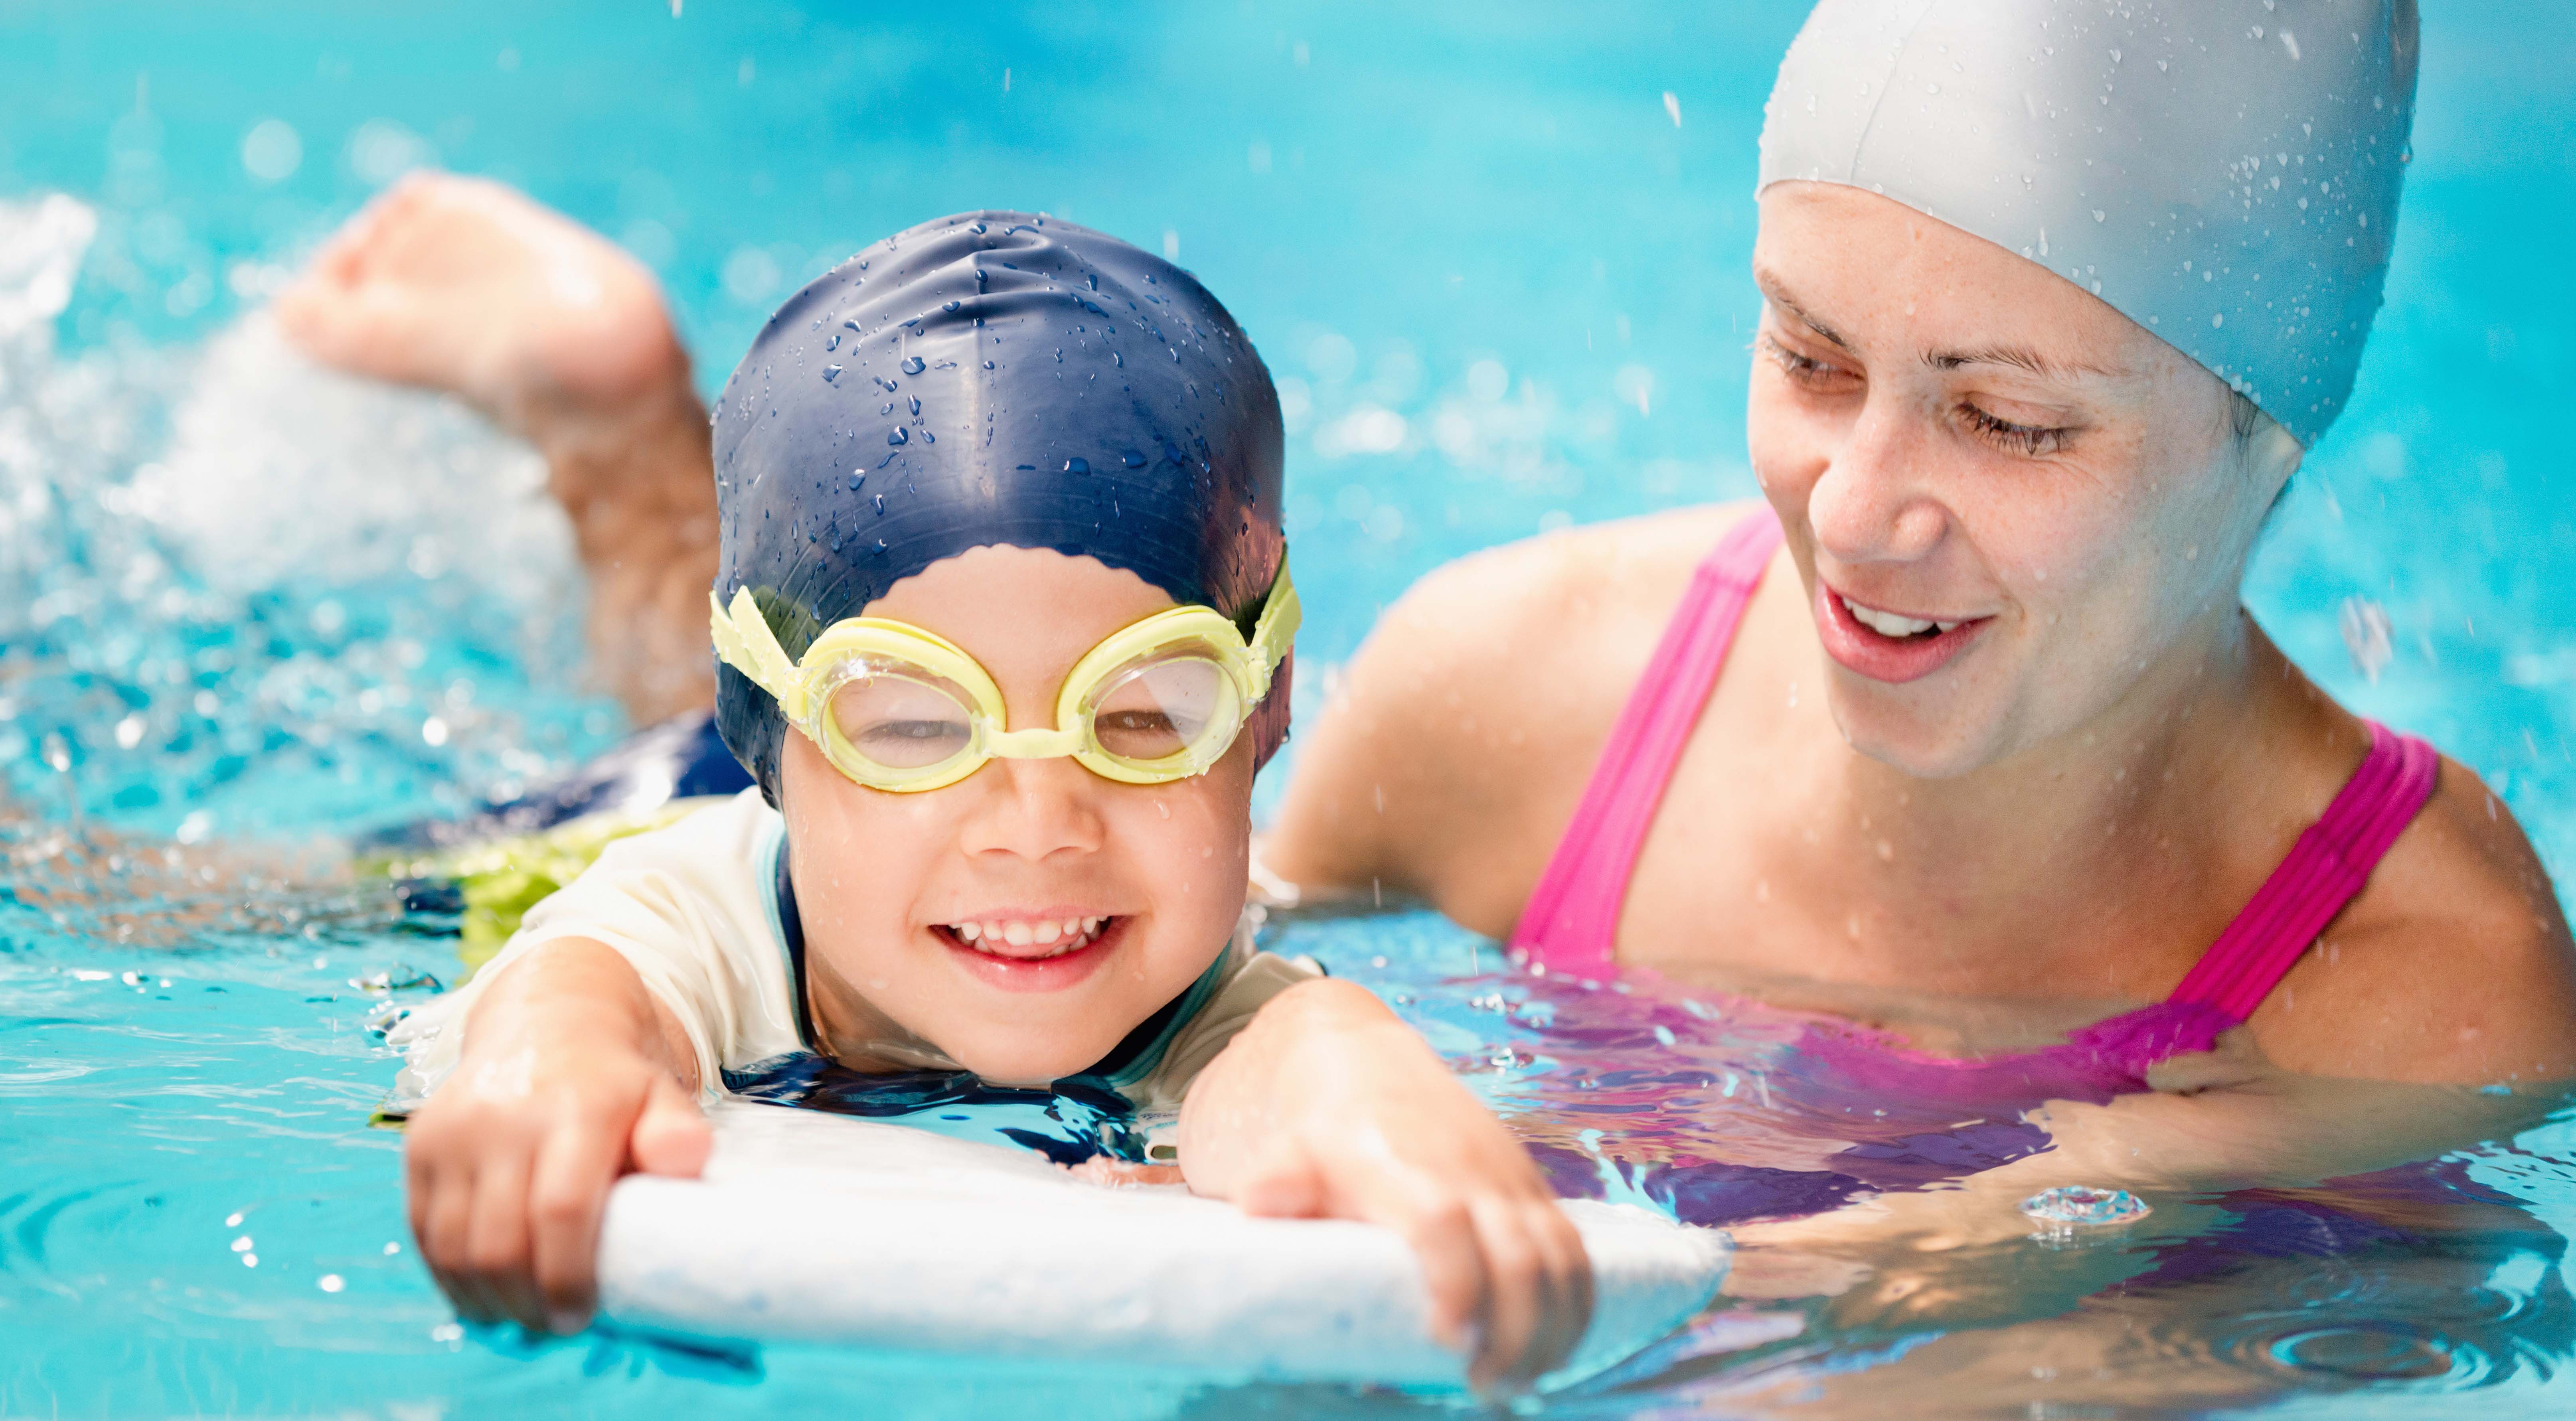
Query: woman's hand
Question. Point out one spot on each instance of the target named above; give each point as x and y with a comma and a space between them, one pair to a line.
1327, 1106
566, 1083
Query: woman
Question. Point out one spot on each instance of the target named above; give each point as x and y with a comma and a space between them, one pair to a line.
1969, 707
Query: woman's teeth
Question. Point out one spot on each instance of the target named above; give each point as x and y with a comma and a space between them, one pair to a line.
1063, 935
1890, 624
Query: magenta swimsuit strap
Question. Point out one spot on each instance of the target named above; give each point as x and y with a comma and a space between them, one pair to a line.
1572, 919
2322, 872
1573, 914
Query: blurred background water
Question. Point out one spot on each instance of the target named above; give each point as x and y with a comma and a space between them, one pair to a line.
1496, 254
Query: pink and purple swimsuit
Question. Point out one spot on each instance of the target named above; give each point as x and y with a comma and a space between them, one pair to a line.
1571, 919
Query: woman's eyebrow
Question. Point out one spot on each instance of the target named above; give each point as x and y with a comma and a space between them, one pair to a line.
2018, 357
1772, 293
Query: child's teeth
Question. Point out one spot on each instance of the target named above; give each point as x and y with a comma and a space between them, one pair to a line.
1064, 936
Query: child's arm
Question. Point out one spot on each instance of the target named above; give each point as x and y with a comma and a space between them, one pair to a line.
572, 1074
1326, 1105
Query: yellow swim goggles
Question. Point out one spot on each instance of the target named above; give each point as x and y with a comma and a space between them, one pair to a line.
898, 708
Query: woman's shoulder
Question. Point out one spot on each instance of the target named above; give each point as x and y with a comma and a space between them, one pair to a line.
1574, 575
1456, 741
2453, 965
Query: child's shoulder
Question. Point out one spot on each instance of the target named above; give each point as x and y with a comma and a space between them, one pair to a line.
739, 830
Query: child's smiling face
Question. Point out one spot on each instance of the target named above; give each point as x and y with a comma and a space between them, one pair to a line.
1026, 918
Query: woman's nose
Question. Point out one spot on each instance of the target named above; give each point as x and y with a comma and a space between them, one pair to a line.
1035, 809
1874, 501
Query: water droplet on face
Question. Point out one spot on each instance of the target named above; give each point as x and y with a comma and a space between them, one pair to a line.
831, 374
912, 365
898, 435
1077, 466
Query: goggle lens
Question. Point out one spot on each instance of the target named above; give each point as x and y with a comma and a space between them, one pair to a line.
1156, 710
901, 717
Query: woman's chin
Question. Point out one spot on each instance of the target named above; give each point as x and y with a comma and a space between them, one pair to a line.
1914, 740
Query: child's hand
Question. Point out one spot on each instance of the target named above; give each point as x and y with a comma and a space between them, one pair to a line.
511, 1160
1327, 1106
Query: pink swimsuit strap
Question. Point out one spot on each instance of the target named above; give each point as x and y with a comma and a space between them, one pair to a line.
1573, 914
1571, 921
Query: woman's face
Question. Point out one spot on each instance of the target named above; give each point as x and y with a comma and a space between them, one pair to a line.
2010, 504
1091, 904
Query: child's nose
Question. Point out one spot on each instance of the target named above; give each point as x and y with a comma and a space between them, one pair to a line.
1033, 809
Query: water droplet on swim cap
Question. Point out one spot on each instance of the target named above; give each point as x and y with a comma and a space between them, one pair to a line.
898, 435
911, 366
1077, 466
2174, 160
1132, 459
831, 373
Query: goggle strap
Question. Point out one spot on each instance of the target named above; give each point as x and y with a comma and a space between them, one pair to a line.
1276, 630
745, 642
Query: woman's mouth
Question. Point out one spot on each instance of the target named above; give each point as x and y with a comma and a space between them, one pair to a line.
1882, 645
1032, 952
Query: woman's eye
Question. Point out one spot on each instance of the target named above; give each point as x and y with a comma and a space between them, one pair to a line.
1136, 721
1803, 369
2029, 440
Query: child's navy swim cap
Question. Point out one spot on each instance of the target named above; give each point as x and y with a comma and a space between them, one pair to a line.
992, 378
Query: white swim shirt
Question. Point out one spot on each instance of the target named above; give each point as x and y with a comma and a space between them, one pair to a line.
693, 908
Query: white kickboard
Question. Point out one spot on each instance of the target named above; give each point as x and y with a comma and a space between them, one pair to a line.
810, 1227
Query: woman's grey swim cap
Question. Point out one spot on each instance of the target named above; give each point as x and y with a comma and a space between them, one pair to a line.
2222, 172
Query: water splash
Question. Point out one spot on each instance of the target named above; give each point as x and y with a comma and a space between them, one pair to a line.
239, 590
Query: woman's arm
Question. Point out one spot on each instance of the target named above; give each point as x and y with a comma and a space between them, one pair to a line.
2271, 1131
1327, 1106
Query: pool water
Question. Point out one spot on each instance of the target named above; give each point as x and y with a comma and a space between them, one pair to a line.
1496, 255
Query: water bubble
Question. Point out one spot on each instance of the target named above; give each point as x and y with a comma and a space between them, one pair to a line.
272, 151
2060, 1211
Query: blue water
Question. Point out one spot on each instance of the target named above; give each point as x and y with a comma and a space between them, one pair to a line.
248, 610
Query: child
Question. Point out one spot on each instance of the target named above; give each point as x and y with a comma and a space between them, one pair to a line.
1003, 617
